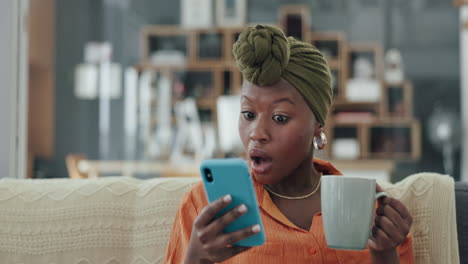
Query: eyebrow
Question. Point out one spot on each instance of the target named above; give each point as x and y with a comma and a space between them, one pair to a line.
285, 99
277, 101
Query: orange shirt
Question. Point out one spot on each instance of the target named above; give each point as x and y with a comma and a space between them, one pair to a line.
285, 242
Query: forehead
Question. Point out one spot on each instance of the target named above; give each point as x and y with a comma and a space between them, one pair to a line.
270, 93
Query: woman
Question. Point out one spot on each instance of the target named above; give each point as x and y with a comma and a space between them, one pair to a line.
284, 104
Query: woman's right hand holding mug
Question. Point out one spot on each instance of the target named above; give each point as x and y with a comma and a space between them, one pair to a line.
208, 243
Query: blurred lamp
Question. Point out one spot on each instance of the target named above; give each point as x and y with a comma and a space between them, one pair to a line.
444, 134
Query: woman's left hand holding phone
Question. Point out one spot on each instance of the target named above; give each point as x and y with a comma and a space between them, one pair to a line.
208, 243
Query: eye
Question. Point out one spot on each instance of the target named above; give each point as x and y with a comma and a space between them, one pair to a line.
248, 115
280, 119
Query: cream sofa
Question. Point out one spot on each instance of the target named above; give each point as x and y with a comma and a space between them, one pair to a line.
116, 220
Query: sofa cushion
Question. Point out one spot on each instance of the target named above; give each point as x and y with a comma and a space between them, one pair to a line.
461, 198
430, 198
107, 220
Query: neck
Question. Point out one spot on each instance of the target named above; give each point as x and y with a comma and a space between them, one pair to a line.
300, 182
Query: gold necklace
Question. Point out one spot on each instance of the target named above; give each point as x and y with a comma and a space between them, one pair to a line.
297, 197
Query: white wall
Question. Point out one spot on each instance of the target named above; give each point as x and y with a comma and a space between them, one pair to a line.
13, 92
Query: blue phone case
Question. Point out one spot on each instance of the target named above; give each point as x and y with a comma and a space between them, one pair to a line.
231, 176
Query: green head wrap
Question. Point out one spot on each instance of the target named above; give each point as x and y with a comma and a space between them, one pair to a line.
264, 55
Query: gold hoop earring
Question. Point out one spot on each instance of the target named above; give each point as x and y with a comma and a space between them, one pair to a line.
320, 143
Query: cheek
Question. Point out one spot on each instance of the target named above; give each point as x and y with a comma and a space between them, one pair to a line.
297, 142
304, 143
243, 133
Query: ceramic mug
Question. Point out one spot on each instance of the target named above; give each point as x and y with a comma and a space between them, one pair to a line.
347, 210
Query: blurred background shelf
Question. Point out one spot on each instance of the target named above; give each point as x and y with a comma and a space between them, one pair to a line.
210, 51
60, 123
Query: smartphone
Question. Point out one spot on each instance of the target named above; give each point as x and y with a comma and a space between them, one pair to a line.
231, 176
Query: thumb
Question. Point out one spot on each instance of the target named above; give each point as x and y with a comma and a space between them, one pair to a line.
372, 244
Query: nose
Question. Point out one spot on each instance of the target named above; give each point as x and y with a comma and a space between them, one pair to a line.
260, 131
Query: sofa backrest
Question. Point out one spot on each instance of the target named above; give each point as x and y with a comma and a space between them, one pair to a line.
107, 220
116, 220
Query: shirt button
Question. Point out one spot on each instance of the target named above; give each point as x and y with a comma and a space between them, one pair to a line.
313, 251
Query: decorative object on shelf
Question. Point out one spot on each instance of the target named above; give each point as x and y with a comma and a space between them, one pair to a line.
86, 81
166, 43
444, 133
145, 90
394, 68
196, 14
209, 140
98, 76
228, 108
345, 132
363, 87
110, 80
346, 148
189, 135
161, 141
130, 112
168, 56
231, 13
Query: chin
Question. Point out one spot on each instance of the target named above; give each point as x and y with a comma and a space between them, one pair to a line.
266, 178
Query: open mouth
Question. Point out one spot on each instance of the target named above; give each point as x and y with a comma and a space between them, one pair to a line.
260, 162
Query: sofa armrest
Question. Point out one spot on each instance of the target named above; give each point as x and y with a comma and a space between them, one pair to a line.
461, 199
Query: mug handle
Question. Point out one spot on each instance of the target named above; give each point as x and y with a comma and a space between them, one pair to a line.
380, 195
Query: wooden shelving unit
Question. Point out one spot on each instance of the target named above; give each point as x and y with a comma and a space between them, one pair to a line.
296, 21
333, 45
389, 119
373, 49
398, 101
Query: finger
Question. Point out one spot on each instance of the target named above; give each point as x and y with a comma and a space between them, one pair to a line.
392, 231
236, 236
210, 211
399, 207
371, 243
381, 239
219, 224
395, 218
